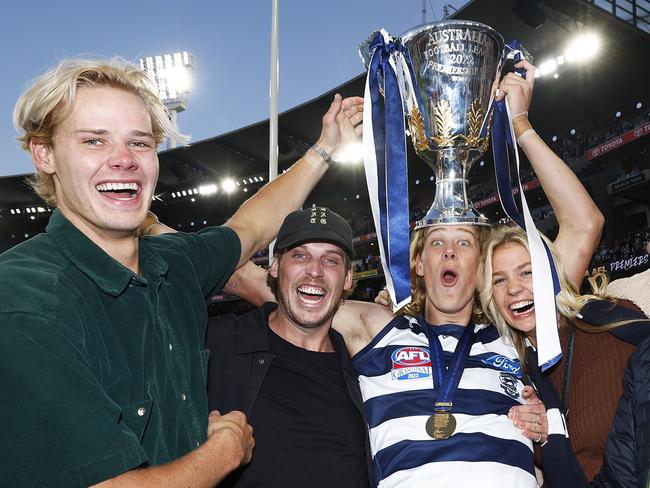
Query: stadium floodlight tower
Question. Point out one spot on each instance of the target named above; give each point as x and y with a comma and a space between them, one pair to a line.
172, 74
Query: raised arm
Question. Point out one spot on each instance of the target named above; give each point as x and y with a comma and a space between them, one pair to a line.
359, 322
258, 220
249, 282
580, 220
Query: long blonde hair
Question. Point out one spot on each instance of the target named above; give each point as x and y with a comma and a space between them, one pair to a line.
50, 98
569, 301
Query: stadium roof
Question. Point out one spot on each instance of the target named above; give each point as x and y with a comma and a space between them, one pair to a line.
583, 96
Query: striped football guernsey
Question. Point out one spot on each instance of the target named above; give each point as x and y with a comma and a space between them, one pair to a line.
485, 450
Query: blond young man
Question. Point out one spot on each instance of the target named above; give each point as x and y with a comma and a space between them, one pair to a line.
102, 331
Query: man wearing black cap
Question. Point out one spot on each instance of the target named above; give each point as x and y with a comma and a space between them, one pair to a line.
285, 367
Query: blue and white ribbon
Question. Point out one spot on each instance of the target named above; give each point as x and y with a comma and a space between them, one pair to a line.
545, 279
384, 142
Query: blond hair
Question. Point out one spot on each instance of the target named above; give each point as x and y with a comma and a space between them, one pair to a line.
49, 100
418, 287
569, 301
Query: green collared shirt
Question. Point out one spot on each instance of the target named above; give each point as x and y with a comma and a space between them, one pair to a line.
102, 370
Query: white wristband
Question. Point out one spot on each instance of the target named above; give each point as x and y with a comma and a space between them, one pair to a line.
525, 135
556, 422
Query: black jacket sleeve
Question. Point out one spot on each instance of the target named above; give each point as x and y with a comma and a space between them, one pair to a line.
627, 451
603, 312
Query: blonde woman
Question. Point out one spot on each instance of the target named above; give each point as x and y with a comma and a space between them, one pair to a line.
588, 381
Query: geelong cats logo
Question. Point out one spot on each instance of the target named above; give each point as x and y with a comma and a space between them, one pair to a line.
509, 384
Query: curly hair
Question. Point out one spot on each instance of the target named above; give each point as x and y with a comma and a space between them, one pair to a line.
418, 287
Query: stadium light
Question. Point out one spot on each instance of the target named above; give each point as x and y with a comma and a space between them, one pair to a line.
583, 47
228, 185
547, 67
210, 189
172, 75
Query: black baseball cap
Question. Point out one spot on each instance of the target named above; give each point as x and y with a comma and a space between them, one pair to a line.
317, 224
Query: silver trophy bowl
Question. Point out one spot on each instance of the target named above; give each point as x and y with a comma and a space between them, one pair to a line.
456, 68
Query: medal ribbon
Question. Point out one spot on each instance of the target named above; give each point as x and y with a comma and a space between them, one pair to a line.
545, 279
384, 141
445, 381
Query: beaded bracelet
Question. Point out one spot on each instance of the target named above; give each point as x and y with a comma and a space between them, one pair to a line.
322, 153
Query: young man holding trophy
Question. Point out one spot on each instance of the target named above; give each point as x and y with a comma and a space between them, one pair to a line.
438, 388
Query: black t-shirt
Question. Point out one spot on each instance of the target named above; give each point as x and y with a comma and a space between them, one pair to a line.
307, 430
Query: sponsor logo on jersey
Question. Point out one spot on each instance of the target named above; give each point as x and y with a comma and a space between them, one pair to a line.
504, 364
410, 363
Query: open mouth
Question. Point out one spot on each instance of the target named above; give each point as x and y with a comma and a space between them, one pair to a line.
522, 307
119, 191
311, 294
449, 277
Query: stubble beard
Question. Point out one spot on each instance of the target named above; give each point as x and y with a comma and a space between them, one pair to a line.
294, 315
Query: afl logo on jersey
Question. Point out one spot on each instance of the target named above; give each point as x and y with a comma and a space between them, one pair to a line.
410, 363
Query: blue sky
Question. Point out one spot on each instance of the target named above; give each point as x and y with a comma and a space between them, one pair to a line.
229, 39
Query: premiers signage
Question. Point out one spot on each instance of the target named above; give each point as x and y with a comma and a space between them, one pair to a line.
619, 141
623, 266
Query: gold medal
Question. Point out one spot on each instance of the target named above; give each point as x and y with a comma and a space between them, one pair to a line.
441, 425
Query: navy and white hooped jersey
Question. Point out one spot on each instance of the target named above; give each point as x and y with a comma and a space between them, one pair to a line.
485, 450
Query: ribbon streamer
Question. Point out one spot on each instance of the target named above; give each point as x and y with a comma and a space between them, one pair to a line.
384, 142
546, 283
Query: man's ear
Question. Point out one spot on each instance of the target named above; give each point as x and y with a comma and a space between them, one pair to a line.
42, 157
273, 270
419, 267
348, 279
